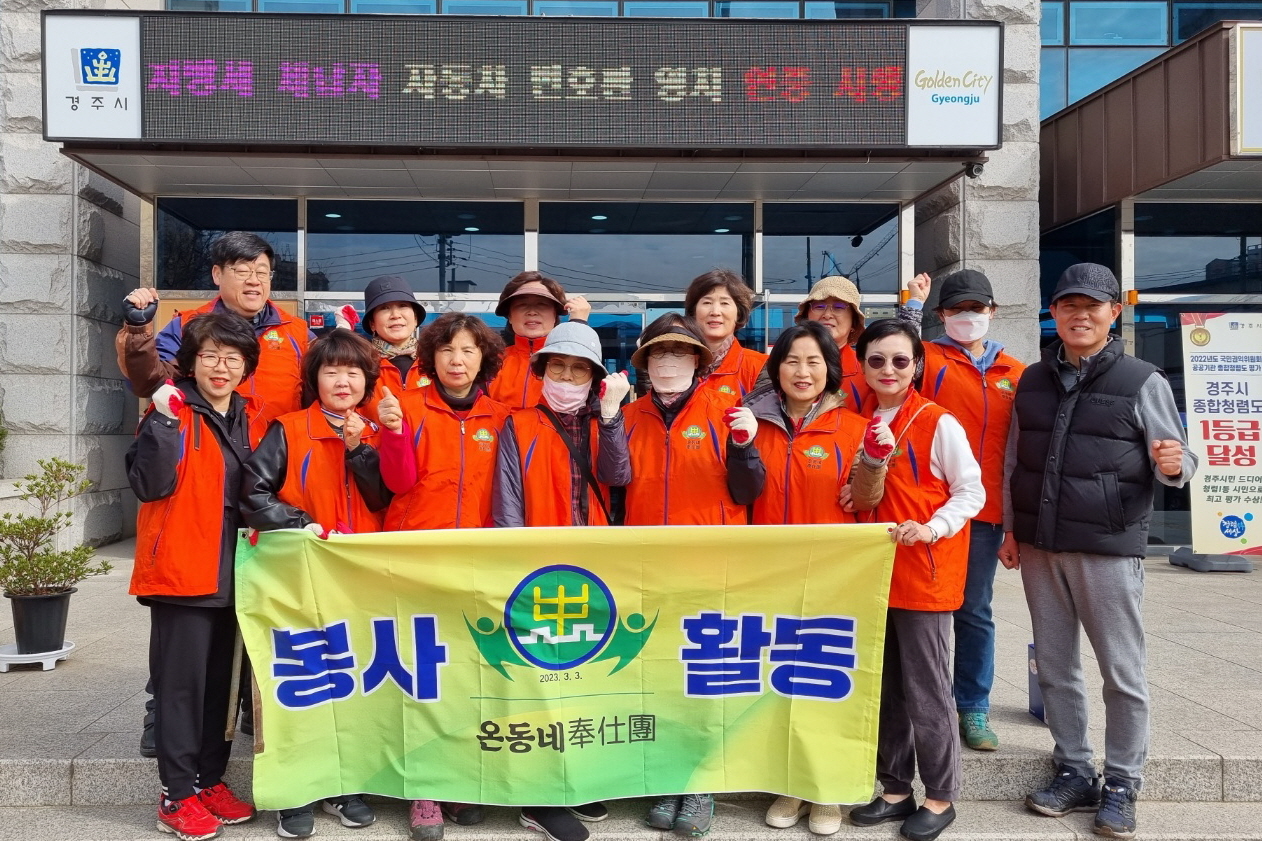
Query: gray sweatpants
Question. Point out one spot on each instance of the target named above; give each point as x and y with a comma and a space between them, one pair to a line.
1104, 594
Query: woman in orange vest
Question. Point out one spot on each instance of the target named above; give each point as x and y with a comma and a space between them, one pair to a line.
556, 463
533, 305
932, 489
392, 316
438, 457
720, 302
318, 470
184, 467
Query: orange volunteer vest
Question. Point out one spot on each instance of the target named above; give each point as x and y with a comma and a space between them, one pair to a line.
805, 475
316, 478
737, 372
388, 376
515, 386
545, 471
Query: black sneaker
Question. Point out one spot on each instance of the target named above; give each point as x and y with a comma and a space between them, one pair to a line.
589, 812
1068, 792
295, 823
555, 823
1116, 818
350, 809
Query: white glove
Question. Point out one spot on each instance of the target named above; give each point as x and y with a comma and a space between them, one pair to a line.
744, 426
346, 317
168, 399
318, 530
613, 388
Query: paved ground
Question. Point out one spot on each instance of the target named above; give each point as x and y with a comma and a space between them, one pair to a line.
69, 768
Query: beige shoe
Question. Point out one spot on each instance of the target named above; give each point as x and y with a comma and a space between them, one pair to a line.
786, 812
825, 819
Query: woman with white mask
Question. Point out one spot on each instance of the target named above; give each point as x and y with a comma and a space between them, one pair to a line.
969, 375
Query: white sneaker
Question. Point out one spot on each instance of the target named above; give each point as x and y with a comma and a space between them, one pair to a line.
786, 812
825, 819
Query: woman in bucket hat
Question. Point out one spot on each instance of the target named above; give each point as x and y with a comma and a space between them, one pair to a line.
533, 305
392, 316
556, 463
720, 302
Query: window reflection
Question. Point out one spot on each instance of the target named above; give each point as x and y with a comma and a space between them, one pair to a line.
1115, 24
847, 10
186, 227
803, 242
1052, 25
1198, 248
1191, 18
435, 246
755, 9
1092, 69
313, 7
1053, 86
394, 7
590, 8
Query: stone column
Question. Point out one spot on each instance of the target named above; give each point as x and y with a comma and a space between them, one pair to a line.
991, 223
69, 249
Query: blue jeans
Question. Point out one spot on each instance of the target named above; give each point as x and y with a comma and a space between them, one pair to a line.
974, 627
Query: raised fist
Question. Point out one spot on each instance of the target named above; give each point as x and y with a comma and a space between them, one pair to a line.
878, 441
346, 317
168, 399
741, 421
613, 388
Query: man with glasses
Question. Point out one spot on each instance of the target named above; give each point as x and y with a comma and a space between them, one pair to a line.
243, 265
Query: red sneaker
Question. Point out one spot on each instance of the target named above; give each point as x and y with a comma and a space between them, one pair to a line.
224, 805
187, 819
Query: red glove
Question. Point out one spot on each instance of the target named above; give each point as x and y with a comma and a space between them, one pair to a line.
742, 422
343, 528
878, 441
168, 399
347, 317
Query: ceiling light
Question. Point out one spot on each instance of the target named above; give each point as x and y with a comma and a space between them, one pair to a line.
722, 230
473, 230
599, 218
332, 216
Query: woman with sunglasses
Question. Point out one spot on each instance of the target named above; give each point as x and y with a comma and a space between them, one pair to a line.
932, 489
807, 451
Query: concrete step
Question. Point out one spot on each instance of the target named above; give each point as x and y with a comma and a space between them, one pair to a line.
735, 821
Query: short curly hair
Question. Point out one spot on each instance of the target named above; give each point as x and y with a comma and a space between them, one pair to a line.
444, 329
340, 347
731, 282
225, 329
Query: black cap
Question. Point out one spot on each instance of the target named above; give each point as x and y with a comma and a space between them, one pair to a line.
1090, 279
965, 285
388, 289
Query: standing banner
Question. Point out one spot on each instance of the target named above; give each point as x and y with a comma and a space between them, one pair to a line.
562, 666
1222, 376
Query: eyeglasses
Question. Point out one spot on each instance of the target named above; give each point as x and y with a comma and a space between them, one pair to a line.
877, 361
232, 361
245, 273
840, 306
580, 372
669, 353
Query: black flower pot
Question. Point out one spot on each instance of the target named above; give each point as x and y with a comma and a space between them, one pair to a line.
39, 622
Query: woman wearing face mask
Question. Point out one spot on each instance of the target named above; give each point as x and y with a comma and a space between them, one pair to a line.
932, 488
970, 375
533, 305
576, 449
807, 450
318, 470
391, 318
720, 303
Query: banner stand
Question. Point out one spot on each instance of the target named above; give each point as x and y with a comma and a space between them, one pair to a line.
1185, 557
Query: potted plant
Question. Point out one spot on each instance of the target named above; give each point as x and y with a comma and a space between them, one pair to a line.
36, 576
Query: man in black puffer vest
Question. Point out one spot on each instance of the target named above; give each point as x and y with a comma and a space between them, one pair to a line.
1093, 430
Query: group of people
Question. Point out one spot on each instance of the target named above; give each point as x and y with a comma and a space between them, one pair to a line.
256, 423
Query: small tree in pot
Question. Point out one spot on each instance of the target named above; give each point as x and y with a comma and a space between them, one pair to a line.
35, 575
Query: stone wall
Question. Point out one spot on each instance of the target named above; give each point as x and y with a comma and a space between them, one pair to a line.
991, 223
69, 246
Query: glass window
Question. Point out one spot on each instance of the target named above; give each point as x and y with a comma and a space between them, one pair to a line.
210, 6
641, 248
754, 9
1115, 24
435, 246
186, 228
803, 242
1052, 82
314, 7
1090, 70
841, 9
590, 8
665, 9
484, 7
1191, 18
1052, 27
394, 7
1089, 240
1198, 248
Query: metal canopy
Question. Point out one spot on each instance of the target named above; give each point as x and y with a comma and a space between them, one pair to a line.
313, 175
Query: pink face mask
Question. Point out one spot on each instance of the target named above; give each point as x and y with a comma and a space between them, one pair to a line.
565, 398
671, 374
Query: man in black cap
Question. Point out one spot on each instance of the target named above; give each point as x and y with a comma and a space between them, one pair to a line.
1094, 430
969, 374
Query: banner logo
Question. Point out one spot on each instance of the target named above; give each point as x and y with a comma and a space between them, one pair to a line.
98, 67
560, 617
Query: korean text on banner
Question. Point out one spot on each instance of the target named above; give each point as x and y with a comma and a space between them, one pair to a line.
1222, 376
562, 666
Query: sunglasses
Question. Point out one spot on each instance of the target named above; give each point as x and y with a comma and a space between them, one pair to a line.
900, 362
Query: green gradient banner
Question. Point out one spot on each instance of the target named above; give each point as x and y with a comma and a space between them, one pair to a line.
562, 666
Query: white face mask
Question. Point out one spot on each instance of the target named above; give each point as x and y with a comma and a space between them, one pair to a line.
565, 398
671, 374
967, 327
